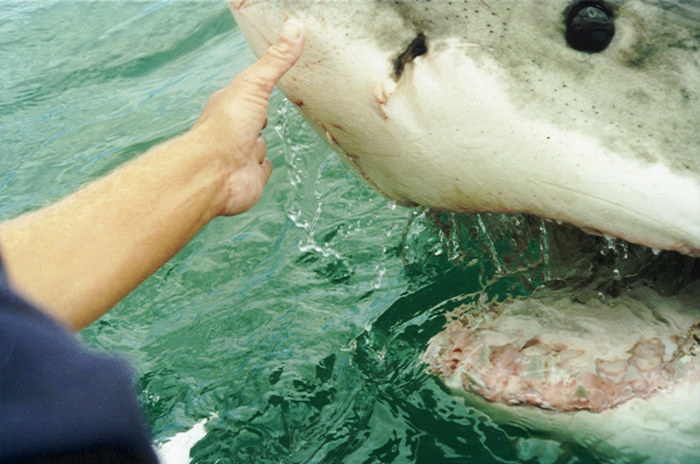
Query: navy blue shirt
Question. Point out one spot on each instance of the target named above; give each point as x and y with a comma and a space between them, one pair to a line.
59, 401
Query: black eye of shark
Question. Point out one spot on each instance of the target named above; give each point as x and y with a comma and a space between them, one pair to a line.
589, 26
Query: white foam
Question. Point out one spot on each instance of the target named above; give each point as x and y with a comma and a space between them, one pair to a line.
176, 450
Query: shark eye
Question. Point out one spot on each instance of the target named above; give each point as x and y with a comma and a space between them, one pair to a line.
589, 26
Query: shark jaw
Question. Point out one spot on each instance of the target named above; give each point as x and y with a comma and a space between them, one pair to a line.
444, 116
598, 369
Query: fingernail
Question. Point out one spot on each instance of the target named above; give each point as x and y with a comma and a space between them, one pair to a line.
291, 30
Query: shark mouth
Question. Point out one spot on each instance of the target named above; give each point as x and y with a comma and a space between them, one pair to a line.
552, 353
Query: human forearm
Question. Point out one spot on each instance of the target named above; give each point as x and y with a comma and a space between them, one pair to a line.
80, 256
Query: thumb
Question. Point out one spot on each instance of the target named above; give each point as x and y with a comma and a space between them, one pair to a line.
280, 57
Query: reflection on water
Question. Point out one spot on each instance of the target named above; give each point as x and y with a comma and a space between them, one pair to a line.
296, 329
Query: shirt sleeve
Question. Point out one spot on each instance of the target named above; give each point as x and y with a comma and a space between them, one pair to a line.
59, 401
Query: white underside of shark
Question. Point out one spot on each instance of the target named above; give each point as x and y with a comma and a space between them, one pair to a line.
454, 133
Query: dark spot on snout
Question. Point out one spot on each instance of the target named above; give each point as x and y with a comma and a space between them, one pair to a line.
590, 26
418, 47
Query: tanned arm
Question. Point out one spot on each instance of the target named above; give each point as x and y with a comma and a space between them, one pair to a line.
77, 258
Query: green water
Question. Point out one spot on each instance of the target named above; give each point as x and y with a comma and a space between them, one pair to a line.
296, 328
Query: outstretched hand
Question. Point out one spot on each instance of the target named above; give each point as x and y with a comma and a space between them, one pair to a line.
234, 117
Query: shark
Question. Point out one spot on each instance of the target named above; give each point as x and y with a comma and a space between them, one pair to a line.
584, 112
577, 111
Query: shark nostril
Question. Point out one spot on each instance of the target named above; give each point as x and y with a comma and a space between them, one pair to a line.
418, 47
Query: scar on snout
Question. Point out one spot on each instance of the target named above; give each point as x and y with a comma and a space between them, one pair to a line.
381, 97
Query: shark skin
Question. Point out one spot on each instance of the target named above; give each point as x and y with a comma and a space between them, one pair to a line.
483, 106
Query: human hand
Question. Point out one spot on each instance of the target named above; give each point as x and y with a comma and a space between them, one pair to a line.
232, 121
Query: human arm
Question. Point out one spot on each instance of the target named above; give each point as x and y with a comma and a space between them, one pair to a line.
77, 258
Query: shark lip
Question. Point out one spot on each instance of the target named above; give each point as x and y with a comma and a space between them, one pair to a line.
519, 366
